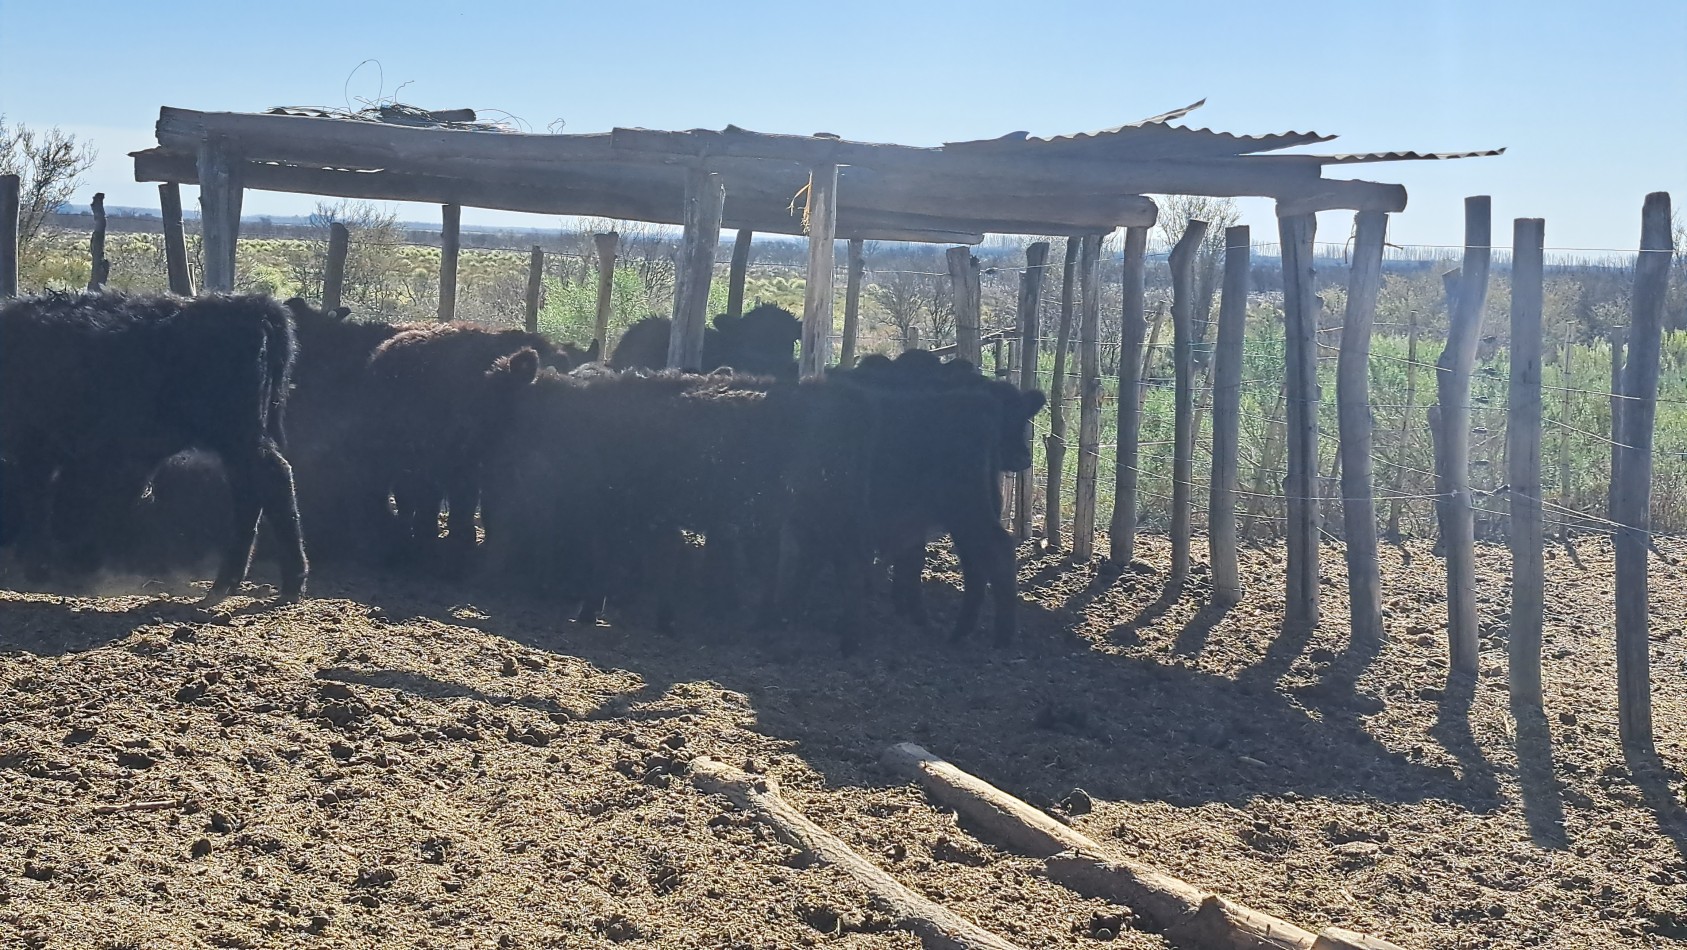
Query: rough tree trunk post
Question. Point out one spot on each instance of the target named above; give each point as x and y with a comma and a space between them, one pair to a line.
1030, 296
1265, 466
1121, 538
535, 287
9, 207
1523, 458
852, 302
1054, 444
1452, 397
334, 272
963, 282
219, 215
175, 241
738, 271
937, 927
1185, 915
606, 246
817, 298
1353, 402
1565, 380
704, 196
1405, 425
1089, 398
1640, 386
1300, 486
1227, 415
1182, 265
99, 268
1618, 337
1148, 351
450, 248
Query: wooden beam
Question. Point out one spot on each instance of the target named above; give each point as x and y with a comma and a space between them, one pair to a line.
1523, 463
99, 268
1227, 416
10, 208
1353, 403
450, 246
1640, 386
963, 295
1030, 348
739, 270
852, 302
1300, 306
334, 274
1340, 194
822, 251
1182, 265
175, 241
1133, 326
606, 244
535, 288
703, 198
219, 215
1089, 397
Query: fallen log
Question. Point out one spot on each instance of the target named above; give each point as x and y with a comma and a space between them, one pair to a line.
937, 927
1186, 915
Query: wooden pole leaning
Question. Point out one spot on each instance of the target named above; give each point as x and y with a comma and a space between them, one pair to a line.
705, 195
450, 248
9, 209
1121, 528
1227, 416
1089, 398
1523, 462
535, 288
1182, 265
1300, 485
334, 272
606, 245
857, 264
1054, 445
1356, 424
1030, 348
817, 295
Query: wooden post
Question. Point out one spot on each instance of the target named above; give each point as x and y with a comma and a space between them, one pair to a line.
1089, 398
9, 209
606, 245
704, 195
334, 274
1030, 346
1148, 352
535, 286
219, 215
1121, 537
99, 268
911, 338
175, 242
963, 278
1617, 338
736, 273
1182, 265
1452, 423
1640, 386
450, 247
1227, 416
817, 296
1566, 498
1054, 445
852, 303
1523, 462
1300, 486
1405, 425
1353, 403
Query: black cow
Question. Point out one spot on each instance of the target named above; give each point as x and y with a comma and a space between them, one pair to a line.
758, 343
97, 389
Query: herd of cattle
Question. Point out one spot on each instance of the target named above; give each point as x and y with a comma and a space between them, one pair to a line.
497, 452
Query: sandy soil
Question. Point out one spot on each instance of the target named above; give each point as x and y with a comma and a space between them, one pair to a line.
404, 763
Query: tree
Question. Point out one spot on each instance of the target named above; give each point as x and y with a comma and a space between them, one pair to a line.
49, 166
1176, 211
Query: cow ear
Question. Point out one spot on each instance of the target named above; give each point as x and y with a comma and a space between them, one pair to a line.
595, 351
522, 366
1032, 402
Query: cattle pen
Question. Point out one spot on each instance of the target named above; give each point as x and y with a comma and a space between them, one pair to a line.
1081, 188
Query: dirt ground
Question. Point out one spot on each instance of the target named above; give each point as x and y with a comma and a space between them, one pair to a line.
401, 763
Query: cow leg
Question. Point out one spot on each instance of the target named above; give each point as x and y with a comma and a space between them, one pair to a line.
987, 561
853, 566
248, 508
277, 496
462, 499
33, 487
907, 580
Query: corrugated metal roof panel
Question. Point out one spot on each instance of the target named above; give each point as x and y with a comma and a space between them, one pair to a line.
1357, 158
1142, 142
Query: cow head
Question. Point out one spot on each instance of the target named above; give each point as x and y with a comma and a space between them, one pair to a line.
1015, 410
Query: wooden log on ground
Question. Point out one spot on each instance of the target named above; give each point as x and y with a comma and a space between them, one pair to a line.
1353, 403
857, 264
175, 241
9, 210
704, 195
1182, 265
99, 268
963, 282
937, 927
817, 297
1089, 398
1030, 347
1523, 463
219, 216
606, 245
450, 247
1300, 484
1640, 386
1405, 426
334, 270
1054, 445
1187, 916
738, 271
1452, 395
1121, 527
535, 287
1227, 416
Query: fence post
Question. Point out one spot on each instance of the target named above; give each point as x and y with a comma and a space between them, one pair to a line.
911, 337
1089, 398
450, 248
963, 283
99, 268
1617, 337
1227, 416
9, 208
219, 215
704, 195
1121, 537
1640, 386
535, 286
606, 245
1300, 356
1523, 462
1353, 402
1566, 498
736, 273
1030, 296
1405, 426
1182, 264
852, 302
334, 273
817, 296
175, 242
1055, 443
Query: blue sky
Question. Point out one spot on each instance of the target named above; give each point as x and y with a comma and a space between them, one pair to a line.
1590, 98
